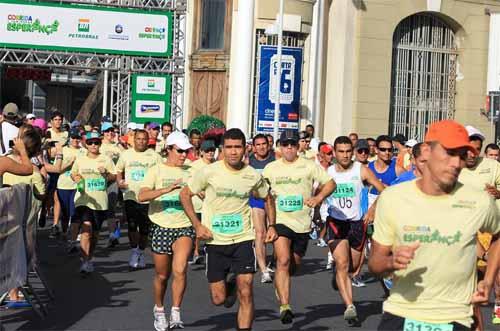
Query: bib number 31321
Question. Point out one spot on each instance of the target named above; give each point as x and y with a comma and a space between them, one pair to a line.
290, 203
227, 224
412, 325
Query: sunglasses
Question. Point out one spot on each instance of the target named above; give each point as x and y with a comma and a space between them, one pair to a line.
385, 149
307, 141
363, 151
93, 142
289, 143
181, 151
209, 150
76, 137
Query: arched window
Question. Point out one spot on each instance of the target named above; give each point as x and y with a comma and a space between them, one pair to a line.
424, 59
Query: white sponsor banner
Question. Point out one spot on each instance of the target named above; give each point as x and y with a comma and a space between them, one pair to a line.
84, 28
282, 125
150, 109
151, 85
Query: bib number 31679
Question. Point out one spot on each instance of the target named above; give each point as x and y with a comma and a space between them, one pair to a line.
412, 325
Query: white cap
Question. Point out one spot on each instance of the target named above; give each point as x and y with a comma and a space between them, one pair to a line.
180, 139
410, 143
131, 126
30, 116
472, 131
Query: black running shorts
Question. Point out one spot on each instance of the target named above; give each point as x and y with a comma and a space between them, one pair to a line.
238, 258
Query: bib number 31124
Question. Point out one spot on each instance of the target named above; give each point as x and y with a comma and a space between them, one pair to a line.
412, 325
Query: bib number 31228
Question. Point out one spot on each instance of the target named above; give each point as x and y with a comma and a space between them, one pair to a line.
412, 325
290, 203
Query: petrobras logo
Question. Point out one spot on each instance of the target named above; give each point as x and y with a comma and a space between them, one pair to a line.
151, 83
150, 108
286, 83
83, 25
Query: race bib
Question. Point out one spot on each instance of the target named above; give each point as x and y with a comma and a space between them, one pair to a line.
171, 204
290, 203
412, 325
95, 184
227, 224
137, 175
344, 190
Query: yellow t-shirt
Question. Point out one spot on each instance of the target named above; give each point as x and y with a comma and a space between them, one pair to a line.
195, 167
226, 211
291, 185
166, 210
486, 171
94, 195
69, 156
60, 137
35, 180
110, 150
438, 285
135, 165
308, 154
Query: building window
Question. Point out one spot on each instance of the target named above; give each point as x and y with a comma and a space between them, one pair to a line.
424, 60
213, 13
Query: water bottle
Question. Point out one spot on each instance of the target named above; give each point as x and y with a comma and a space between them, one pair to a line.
80, 186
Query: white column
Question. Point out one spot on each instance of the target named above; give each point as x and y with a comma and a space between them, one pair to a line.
316, 69
240, 74
339, 87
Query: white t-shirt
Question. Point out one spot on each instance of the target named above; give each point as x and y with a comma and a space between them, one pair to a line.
9, 132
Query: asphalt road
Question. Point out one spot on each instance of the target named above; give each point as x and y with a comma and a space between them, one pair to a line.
114, 298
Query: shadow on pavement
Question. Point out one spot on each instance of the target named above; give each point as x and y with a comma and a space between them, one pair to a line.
227, 321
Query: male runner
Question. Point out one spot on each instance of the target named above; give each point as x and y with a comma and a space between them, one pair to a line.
433, 257
384, 167
346, 226
291, 179
172, 236
112, 151
362, 151
373, 149
227, 225
492, 151
304, 148
261, 157
92, 173
131, 169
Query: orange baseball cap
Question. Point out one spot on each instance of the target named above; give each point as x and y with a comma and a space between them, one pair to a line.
450, 135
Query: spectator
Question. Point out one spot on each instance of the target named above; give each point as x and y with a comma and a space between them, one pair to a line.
8, 130
492, 151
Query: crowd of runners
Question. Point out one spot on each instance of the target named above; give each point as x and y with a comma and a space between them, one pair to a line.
422, 215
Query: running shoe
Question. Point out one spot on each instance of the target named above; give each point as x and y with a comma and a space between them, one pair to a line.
388, 283
266, 277
175, 320
286, 315
160, 320
357, 282
322, 243
197, 259
230, 290
86, 267
141, 262
17, 304
133, 261
270, 267
112, 242
351, 315
54, 232
313, 234
329, 263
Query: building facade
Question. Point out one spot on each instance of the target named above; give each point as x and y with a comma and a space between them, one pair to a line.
370, 66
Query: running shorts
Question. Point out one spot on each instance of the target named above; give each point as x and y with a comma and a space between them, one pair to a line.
162, 238
137, 217
256, 203
390, 322
52, 185
299, 240
238, 258
353, 231
112, 191
85, 214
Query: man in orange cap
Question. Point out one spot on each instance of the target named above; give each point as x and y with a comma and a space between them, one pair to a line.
433, 254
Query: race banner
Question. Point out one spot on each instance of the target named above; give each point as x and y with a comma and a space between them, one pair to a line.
151, 95
290, 85
84, 28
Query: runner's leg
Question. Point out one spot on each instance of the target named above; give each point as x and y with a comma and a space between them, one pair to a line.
245, 297
182, 250
218, 292
341, 255
282, 276
259, 223
163, 267
85, 240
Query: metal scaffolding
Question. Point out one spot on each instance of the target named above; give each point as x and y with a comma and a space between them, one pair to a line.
120, 67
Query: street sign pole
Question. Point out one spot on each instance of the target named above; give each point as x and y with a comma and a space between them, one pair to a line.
278, 73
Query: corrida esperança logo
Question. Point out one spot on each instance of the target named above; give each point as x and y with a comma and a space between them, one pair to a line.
26, 23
